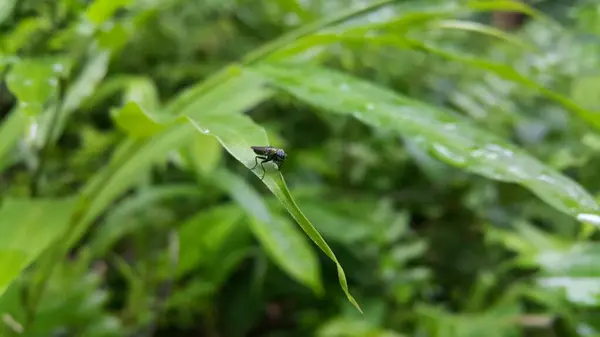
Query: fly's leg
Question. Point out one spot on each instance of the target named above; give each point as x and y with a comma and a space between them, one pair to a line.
264, 160
261, 165
256, 161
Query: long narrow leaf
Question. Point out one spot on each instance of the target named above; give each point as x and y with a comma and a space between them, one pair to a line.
237, 133
502, 70
215, 112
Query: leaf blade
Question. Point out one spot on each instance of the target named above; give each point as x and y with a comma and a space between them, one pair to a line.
277, 236
450, 137
27, 228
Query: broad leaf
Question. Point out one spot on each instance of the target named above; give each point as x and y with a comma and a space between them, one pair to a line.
504, 71
141, 94
27, 228
34, 82
204, 154
575, 270
203, 235
451, 138
128, 117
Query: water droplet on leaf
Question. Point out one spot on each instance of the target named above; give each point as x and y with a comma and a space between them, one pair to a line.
593, 219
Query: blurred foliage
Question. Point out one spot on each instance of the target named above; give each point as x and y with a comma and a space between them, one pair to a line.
441, 177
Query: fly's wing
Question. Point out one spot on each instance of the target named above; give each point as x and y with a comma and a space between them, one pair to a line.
262, 150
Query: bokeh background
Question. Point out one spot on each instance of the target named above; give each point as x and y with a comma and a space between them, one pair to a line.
441, 176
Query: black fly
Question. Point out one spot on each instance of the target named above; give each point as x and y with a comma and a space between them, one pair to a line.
267, 154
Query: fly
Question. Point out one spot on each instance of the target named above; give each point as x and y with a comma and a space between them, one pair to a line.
267, 154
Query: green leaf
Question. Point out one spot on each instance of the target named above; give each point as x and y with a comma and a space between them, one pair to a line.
137, 123
505, 5
243, 193
33, 82
11, 130
120, 221
352, 327
575, 270
283, 243
143, 91
237, 133
141, 94
497, 321
408, 16
135, 156
204, 153
27, 227
526, 240
23, 33
586, 92
412, 14
481, 29
101, 10
391, 38
287, 247
202, 235
579, 260
84, 85
451, 138
338, 227
131, 159
212, 110
6, 8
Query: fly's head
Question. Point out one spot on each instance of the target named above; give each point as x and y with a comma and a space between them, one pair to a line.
279, 157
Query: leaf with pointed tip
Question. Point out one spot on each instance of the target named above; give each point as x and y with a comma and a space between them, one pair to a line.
213, 111
237, 133
281, 240
137, 123
141, 94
